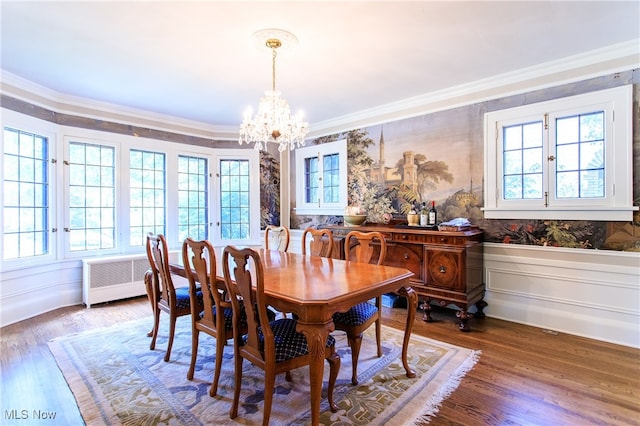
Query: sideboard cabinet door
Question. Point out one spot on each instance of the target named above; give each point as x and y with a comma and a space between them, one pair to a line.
445, 268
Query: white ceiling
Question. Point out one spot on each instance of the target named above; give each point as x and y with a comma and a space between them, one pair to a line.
196, 60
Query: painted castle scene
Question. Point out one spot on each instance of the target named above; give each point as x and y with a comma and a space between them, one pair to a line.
395, 167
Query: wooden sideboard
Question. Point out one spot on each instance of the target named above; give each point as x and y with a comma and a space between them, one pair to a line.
447, 266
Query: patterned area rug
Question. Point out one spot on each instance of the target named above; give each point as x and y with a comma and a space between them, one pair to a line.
116, 379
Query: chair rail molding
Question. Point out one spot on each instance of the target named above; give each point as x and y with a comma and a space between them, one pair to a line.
590, 293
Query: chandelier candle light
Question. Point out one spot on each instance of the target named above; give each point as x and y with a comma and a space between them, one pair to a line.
274, 122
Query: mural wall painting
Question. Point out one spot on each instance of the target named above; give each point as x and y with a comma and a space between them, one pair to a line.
269, 190
439, 157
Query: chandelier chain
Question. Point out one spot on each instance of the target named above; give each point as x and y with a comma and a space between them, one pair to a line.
273, 69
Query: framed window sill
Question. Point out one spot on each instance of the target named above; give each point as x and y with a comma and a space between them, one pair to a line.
319, 211
571, 213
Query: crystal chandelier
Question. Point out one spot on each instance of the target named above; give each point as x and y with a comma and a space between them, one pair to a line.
274, 122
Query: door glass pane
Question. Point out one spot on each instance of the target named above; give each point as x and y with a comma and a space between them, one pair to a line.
234, 196
193, 215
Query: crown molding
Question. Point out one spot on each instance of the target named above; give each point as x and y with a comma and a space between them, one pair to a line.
611, 59
28, 91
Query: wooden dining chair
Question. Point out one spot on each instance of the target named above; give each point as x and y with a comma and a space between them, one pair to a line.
319, 242
366, 247
276, 238
168, 298
274, 346
216, 318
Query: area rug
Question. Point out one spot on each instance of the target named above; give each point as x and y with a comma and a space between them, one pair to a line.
116, 379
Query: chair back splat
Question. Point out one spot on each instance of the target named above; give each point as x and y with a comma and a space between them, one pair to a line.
365, 247
319, 242
276, 238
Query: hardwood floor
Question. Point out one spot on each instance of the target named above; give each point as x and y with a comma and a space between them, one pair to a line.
525, 376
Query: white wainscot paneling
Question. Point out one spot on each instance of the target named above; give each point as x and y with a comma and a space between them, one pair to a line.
590, 293
33, 290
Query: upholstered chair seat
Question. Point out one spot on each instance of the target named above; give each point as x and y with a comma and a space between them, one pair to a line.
228, 317
289, 343
357, 315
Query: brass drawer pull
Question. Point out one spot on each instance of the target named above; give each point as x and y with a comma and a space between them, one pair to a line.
443, 269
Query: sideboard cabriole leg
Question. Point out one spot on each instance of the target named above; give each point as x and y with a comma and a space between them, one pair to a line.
464, 319
426, 307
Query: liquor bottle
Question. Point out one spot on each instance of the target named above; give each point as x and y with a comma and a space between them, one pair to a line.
424, 215
433, 215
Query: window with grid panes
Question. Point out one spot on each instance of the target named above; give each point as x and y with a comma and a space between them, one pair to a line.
323, 187
565, 159
25, 194
92, 197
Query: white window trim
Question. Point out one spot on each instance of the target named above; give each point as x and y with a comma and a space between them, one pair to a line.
321, 150
617, 205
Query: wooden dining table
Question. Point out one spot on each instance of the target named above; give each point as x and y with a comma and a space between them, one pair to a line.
314, 288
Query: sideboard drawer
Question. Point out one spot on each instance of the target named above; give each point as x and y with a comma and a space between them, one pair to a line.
407, 256
403, 237
424, 238
446, 240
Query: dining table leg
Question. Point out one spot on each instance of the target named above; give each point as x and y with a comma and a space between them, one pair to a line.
316, 335
412, 305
